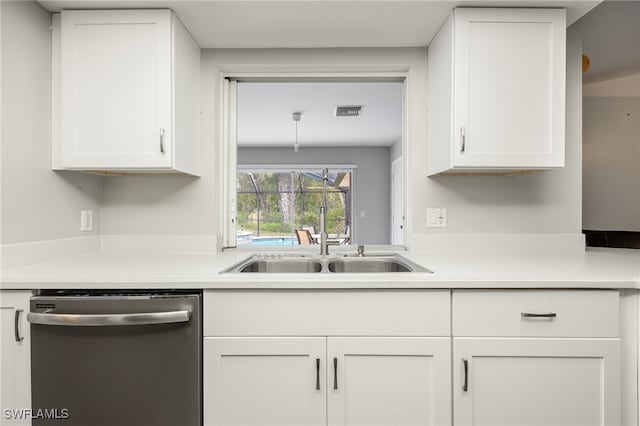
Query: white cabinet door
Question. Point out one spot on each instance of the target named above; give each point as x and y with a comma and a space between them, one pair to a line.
389, 381
15, 358
496, 95
264, 381
533, 382
509, 97
116, 89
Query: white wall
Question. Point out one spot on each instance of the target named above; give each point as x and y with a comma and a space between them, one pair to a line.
546, 202
627, 86
37, 203
611, 187
372, 177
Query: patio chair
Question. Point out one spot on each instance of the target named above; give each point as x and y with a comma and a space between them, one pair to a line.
347, 232
304, 237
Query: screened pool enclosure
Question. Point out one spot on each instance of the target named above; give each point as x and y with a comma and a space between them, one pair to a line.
272, 204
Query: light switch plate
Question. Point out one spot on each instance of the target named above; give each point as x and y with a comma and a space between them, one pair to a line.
436, 217
86, 220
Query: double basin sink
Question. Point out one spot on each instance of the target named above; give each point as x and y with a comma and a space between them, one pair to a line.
307, 263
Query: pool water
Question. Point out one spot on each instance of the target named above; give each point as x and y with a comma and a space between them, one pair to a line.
274, 241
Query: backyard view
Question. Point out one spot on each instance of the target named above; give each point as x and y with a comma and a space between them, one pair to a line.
272, 204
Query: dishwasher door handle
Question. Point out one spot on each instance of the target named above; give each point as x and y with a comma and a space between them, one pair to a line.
101, 320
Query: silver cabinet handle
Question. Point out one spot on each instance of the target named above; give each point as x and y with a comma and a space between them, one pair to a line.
317, 373
463, 135
335, 373
16, 325
101, 320
534, 315
162, 141
465, 382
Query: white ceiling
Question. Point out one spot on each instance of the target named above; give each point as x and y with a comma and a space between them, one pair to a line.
264, 114
315, 23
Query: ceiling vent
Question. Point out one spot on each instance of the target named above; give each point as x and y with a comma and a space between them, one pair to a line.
348, 110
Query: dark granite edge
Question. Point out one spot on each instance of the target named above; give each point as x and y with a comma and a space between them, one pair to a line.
614, 239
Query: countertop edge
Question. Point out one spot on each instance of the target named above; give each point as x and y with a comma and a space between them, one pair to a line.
324, 285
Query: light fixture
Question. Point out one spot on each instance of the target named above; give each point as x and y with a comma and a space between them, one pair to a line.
586, 63
296, 118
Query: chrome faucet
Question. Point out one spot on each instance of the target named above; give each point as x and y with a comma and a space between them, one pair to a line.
324, 246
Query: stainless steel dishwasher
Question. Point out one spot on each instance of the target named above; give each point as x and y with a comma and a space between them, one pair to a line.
116, 358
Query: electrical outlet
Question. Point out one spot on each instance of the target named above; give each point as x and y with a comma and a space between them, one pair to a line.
436, 217
86, 220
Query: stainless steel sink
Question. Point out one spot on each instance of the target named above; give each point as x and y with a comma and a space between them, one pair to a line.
355, 264
302, 263
296, 265
374, 263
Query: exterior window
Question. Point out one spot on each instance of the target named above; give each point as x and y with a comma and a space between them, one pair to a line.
272, 204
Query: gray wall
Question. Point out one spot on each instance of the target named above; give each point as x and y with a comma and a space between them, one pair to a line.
37, 203
611, 159
395, 150
372, 181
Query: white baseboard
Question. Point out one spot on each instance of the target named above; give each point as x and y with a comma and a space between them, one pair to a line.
19, 254
160, 243
498, 243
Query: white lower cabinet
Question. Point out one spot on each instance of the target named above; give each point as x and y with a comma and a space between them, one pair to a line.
536, 357
412, 357
532, 381
15, 358
374, 357
389, 381
319, 381
264, 381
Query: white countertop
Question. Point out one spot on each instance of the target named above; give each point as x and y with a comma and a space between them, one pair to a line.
595, 268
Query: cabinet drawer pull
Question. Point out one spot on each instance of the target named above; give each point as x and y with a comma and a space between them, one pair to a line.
335, 373
317, 373
534, 315
463, 136
465, 382
162, 141
16, 325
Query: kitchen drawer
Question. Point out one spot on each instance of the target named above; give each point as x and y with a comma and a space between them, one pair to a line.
327, 313
500, 313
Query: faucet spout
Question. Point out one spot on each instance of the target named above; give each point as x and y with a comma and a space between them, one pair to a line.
324, 245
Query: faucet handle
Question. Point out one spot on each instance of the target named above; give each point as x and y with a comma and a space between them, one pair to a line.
360, 250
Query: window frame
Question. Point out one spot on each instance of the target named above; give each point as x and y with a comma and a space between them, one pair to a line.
230, 75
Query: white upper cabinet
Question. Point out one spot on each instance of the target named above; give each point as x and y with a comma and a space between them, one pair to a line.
128, 94
496, 93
